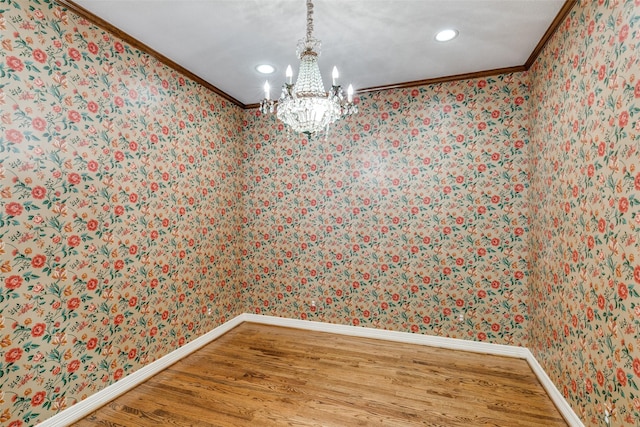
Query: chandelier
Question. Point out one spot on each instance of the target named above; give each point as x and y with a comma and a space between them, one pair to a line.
305, 107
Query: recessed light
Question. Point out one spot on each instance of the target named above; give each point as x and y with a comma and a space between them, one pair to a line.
446, 35
265, 69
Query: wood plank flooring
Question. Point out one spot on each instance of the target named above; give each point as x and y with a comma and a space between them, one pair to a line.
257, 375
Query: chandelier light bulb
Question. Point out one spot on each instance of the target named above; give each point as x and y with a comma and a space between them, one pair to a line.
289, 74
267, 90
350, 94
334, 75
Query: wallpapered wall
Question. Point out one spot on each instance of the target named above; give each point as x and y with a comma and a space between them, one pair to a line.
119, 184
125, 187
585, 204
408, 215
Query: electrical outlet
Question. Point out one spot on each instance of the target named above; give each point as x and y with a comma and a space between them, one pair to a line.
209, 311
607, 420
460, 318
313, 303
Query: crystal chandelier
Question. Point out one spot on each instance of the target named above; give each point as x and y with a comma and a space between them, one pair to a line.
305, 107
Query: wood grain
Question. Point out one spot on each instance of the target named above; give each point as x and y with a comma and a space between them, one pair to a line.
257, 375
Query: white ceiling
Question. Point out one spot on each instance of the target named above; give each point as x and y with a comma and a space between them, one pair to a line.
373, 42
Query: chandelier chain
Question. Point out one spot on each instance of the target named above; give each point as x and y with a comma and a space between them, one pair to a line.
309, 20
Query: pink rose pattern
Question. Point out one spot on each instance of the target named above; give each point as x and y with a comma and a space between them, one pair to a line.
119, 199
410, 214
585, 211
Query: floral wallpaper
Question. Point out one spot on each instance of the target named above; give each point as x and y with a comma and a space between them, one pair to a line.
585, 211
139, 210
409, 215
119, 213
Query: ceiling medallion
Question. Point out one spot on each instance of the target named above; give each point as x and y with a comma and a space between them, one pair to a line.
305, 107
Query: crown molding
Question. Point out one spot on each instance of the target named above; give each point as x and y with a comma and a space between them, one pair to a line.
96, 20
553, 27
444, 79
562, 14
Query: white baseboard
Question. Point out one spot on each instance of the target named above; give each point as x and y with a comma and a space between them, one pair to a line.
106, 395
403, 337
101, 398
553, 392
449, 343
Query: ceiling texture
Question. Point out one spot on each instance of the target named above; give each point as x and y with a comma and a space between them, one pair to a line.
375, 44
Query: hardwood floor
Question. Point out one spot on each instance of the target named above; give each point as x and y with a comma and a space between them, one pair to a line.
257, 375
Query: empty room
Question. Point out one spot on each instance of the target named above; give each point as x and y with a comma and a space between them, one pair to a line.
319, 213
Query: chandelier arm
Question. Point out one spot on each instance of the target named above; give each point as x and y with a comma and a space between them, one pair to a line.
309, 20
